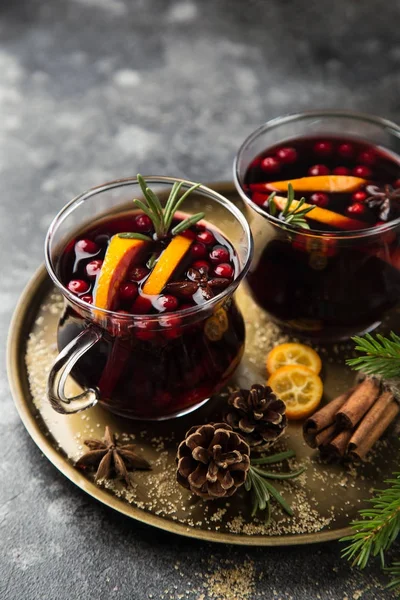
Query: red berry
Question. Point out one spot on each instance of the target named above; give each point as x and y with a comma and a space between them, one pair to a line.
255, 163
185, 306
137, 273
356, 209
316, 170
198, 250
198, 264
172, 327
87, 298
93, 268
270, 164
287, 155
362, 171
359, 196
346, 150
206, 237
142, 306
219, 254
128, 291
396, 184
224, 270
142, 223
167, 303
367, 157
260, 198
78, 286
323, 148
319, 199
145, 331
86, 246
341, 171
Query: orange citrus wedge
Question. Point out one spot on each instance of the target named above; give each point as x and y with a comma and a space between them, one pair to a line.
323, 215
167, 264
300, 389
293, 354
320, 183
121, 252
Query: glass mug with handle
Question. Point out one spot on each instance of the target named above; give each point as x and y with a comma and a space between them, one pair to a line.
146, 365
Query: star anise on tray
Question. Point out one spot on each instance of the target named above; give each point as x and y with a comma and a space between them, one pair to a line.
386, 199
198, 281
110, 459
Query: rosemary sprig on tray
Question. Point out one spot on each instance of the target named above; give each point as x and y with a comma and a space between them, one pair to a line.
258, 482
296, 216
160, 216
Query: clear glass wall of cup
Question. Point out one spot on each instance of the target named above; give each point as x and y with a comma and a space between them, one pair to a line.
323, 286
167, 375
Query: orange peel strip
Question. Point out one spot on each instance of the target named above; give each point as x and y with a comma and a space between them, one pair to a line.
120, 254
339, 184
323, 215
167, 264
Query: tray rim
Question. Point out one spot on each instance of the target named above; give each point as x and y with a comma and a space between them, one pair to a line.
18, 376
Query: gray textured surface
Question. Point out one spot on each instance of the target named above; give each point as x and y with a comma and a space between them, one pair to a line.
96, 89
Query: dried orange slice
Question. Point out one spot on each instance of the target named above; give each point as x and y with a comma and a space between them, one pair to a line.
323, 215
293, 354
320, 183
167, 264
300, 389
121, 253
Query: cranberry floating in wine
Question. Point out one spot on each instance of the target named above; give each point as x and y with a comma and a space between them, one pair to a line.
143, 283
322, 267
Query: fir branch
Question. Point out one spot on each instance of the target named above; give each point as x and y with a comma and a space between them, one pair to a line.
394, 573
378, 527
381, 355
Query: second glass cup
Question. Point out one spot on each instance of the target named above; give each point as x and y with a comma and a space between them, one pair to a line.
321, 284
144, 366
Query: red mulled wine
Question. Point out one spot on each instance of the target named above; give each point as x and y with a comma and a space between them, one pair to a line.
167, 358
327, 286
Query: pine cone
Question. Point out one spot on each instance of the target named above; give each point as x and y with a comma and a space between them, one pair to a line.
258, 415
213, 461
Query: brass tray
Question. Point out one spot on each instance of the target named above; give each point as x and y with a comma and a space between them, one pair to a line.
325, 498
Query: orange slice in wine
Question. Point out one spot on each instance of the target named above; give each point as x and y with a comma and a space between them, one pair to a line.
166, 264
323, 215
120, 255
339, 184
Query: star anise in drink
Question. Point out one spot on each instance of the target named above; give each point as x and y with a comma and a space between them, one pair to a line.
385, 199
111, 459
200, 282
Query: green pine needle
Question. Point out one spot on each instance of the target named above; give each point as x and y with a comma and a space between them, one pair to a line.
378, 527
394, 572
381, 355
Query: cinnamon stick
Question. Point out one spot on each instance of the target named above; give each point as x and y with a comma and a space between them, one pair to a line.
379, 428
323, 418
325, 436
337, 447
368, 423
358, 404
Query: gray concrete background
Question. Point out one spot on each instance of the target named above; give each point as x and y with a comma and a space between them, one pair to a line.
97, 89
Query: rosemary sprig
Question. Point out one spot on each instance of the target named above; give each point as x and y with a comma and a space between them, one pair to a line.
296, 216
262, 489
162, 217
381, 355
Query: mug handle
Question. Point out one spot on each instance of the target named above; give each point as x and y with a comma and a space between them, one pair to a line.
61, 369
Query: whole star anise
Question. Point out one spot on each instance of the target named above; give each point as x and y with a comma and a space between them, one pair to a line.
198, 282
386, 199
111, 459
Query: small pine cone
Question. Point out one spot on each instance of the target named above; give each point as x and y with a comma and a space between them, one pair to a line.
213, 461
258, 415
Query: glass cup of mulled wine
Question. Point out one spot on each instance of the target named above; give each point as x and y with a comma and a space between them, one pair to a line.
150, 327
334, 271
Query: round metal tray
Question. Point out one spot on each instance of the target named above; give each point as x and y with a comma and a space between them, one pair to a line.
325, 498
